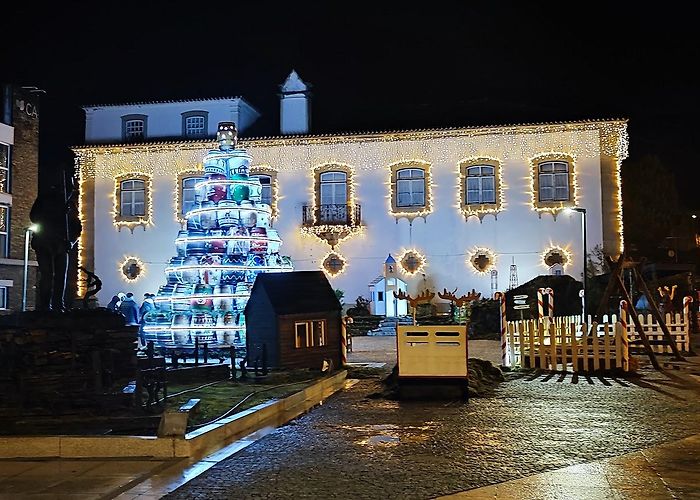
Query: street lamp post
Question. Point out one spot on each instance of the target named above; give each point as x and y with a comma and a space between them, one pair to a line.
582, 211
31, 229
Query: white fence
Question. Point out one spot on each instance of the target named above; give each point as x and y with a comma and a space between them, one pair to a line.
564, 343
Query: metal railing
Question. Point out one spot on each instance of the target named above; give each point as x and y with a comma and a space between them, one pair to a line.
332, 215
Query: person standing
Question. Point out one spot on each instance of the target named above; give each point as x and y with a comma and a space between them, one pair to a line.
147, 306
114, 304
130, 310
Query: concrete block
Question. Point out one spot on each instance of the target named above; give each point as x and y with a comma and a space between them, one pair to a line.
29, 447
115, 446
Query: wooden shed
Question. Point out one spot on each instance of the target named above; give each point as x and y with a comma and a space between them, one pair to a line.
297, 317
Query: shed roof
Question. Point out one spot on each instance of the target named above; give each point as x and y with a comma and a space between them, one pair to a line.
298, 292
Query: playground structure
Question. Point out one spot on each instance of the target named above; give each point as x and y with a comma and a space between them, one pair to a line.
551, 342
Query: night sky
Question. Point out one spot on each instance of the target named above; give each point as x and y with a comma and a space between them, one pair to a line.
372, 67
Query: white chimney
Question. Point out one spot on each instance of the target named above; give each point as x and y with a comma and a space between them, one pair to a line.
294, 105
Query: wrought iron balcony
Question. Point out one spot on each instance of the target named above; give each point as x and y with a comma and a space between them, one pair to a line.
332, 215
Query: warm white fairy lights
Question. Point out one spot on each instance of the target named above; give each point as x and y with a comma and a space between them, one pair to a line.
271, 172
131, 264
553, 207
139, 220
332, 234
480, 210
586, 139
411, 261
482, 260
179, 216
334, 264
410, 213
365, 151
556, 254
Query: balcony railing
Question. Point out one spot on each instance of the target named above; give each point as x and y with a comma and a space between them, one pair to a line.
335, 215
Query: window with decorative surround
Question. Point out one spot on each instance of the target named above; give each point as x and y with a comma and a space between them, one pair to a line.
132, 200
194, 124
411, 189
334, 215
553, 182
134, 127
481, 187
270, 188
187, 195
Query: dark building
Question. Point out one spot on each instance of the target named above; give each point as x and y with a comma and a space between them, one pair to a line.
297, 317
19, 169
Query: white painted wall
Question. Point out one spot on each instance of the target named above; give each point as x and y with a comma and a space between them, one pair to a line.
7, 134
103, 124
445, 238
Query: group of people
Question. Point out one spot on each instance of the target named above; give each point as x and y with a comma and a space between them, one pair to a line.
125, 304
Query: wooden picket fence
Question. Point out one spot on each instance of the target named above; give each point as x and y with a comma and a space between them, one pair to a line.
677, 324
560, 345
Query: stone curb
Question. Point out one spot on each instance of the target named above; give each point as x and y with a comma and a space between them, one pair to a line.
201, 441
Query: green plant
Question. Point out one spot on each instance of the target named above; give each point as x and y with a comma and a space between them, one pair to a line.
339, 295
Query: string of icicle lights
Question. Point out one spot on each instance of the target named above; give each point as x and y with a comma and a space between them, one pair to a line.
372, 151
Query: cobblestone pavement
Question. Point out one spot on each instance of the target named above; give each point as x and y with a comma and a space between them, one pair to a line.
357, 447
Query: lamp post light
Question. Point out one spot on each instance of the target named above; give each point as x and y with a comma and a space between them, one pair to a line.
582, 211
31, 229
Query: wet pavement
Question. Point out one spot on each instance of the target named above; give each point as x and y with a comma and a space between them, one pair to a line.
357, 447
72, 479
669, 471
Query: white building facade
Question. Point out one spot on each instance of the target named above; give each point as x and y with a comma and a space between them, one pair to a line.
452, 205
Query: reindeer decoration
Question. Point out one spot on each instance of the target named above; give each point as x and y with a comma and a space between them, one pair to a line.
424, 297
460, 304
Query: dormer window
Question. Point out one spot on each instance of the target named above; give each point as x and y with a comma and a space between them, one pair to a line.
134, 127
194, 124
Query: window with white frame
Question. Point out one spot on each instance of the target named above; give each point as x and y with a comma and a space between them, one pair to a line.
4, 168
334, 188
266, 183
187, 193
3, 297
553, 181
310, 333
133, 129
410, 187
481, 185
195, 126
132, 198
4, 231
333, 195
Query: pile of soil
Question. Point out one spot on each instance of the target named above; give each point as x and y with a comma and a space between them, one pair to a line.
483, 378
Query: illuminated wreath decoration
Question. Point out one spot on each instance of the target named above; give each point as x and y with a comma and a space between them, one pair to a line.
412, 262
556, 255
482, 260
132, 268
334, 263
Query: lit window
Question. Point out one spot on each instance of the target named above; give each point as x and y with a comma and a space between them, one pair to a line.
266, 183
481, 185
410, 187
4, 168
310, 333
195, 126
333, 195
4, 226
553, 181
3, 297
187, 194
132, 196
